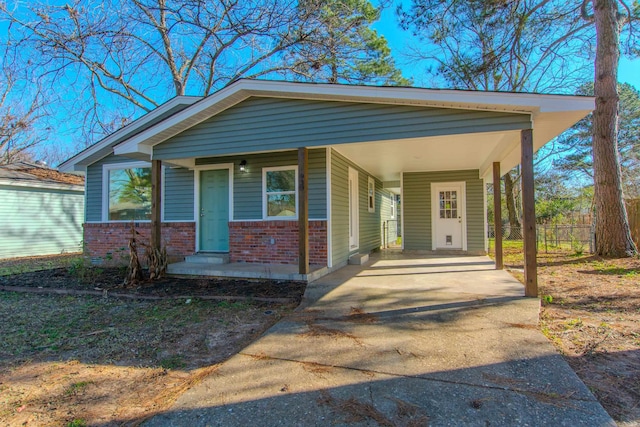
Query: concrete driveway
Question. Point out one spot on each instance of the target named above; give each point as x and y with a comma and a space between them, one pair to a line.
401, 341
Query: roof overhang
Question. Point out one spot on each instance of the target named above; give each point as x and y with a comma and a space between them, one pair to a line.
41, 185
551, 114
104, 147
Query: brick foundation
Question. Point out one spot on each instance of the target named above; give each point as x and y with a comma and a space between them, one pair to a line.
109, 241
250, 241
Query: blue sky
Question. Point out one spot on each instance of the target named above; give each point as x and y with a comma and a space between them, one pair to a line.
628, 71
66, 128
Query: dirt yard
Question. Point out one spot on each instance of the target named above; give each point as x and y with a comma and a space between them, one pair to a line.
122, 355
74, 360
591, 312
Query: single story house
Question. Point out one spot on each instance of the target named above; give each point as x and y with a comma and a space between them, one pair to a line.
41, 212
280, 172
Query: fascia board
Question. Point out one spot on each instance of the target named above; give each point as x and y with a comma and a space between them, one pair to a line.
237, 92
72, 165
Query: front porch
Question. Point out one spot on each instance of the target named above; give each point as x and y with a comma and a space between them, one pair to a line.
397, 269
245, 270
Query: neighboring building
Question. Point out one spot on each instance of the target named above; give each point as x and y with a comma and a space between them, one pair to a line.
41, 210
230, 168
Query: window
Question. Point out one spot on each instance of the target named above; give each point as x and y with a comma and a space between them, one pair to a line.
448, 204
280, 192
392, 206
371, 195
127, 192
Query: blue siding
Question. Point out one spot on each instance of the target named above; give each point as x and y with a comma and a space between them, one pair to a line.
93, 186
247, 186
270, 124
178, 194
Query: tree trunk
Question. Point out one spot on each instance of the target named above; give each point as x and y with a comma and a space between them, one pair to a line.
613, 237
509, 197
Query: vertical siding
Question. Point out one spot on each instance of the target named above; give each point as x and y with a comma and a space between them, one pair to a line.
247, 186
178, 194
417, 207
370, 226
93, 186
39, 221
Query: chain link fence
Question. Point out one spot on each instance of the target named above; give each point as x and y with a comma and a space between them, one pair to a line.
578, 238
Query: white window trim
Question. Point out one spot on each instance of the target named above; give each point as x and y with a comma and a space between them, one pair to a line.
265, 211
371, 197
105, 187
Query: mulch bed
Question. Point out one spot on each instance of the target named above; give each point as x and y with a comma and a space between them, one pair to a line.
99, 280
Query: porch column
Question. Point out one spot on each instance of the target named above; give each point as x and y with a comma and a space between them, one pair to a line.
528, 214
156, 204
497, 214
303, 211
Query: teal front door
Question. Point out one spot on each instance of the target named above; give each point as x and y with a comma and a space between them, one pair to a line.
214, 210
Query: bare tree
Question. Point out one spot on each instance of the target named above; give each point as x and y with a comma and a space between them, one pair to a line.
124, 63
513, 46
540, 46
22, 108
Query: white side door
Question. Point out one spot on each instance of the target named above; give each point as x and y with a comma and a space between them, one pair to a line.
354, 218
448, 216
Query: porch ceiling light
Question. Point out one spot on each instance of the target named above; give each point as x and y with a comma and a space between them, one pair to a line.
243, 166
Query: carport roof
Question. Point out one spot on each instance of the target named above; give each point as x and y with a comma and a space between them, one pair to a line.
550, 115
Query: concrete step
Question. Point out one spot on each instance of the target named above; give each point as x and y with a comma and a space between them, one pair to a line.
208, 259
245, 270
358, 259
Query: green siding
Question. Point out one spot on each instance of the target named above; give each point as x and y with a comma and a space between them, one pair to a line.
93, 186
258, 124
339, 209
247, 186
370, 225
384, 197
416, 193
38, 221
178, 194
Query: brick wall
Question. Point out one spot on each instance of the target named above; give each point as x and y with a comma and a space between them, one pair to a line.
275, 242
109, 241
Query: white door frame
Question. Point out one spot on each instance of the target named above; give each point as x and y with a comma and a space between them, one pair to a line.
354, 209
196, 194
462, 208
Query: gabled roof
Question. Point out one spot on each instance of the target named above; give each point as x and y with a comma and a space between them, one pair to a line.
104, 147
27, 174
551, 114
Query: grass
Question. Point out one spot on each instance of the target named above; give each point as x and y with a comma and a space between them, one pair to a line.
28, 264
77, 360
76, 388
97, 329
591, 313
173, 362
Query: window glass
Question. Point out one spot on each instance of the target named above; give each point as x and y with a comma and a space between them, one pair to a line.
279, 181
129, 194
371, 194
280, 188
